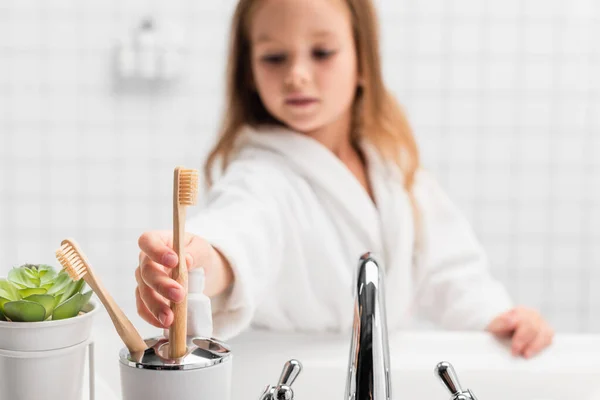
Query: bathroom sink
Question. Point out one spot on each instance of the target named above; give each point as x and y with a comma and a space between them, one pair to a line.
486, 385
568, 369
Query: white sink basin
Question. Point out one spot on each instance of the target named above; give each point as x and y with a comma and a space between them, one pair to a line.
568, 369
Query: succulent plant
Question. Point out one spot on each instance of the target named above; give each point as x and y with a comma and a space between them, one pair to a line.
34, 293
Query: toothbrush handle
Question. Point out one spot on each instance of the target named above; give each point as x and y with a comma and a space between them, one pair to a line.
123, 325
178, 330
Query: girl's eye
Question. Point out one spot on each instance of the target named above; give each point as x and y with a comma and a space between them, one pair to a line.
274, 58
321, 54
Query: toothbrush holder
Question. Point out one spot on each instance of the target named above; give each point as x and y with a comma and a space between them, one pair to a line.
203, 373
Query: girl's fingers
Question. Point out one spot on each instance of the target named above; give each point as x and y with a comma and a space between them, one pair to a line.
198, 252
524, 334
155, 246
153, 302
155, 276
541, 341
144, 312
504, 324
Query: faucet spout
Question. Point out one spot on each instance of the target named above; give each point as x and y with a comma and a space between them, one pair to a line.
369, 364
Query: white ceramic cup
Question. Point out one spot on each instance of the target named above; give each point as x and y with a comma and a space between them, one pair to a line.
203, 374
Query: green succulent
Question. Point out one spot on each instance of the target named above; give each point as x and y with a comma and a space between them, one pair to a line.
34, 293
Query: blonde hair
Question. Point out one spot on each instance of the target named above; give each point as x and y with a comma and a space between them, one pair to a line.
377, 116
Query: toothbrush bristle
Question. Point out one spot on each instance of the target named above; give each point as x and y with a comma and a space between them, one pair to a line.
71, 261
188, 187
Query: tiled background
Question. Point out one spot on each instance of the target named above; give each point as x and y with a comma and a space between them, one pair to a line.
504, 97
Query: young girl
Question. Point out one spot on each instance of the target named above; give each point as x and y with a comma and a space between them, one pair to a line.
319, 167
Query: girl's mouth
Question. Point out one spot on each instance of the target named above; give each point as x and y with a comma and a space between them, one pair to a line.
300, 101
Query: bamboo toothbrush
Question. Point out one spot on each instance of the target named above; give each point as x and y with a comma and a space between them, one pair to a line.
72, 259
185, 193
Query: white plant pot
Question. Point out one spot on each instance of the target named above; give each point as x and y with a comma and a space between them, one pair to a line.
45, 360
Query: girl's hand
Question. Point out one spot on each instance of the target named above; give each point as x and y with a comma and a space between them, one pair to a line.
530, 333
153, 275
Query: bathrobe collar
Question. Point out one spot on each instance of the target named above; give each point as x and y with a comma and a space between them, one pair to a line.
330, 176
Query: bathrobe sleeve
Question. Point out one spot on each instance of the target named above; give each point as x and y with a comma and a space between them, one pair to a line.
241, 219
454, 287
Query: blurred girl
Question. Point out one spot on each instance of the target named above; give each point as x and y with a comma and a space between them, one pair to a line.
319, 165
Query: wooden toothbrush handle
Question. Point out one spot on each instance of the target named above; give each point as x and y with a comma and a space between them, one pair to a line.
124, 327
178, 330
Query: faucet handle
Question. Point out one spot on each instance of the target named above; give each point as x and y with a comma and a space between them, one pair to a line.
283, 391
445, 371
268, 393
291, 370
447, 374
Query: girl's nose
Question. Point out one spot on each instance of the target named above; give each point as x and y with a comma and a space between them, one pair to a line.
298, 74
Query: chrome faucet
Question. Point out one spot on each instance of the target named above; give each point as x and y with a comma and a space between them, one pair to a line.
369, 364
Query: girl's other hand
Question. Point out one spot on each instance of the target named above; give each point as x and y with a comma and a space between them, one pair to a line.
529, 331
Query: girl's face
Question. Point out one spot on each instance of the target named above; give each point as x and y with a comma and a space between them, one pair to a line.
304, 62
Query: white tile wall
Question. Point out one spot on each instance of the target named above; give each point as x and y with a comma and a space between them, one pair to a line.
504, 97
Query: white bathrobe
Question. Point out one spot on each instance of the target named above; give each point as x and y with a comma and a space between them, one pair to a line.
292, 221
